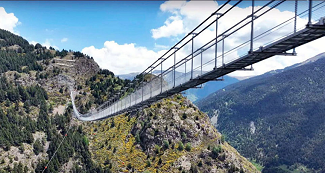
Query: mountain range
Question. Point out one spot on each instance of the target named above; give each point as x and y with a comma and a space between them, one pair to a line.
276, 119
193, 94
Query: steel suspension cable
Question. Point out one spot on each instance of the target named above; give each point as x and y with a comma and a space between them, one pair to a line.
185, 59
58, 147
186, 37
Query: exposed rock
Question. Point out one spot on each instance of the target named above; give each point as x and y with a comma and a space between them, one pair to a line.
171, 137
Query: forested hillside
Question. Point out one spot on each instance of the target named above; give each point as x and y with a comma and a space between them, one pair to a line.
38, 132
277, 118
31, 127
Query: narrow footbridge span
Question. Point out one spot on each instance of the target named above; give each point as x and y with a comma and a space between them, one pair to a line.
210, 51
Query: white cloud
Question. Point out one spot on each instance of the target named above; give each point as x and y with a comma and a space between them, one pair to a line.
159, 47
184, 16
170, 6
47, 43
8, 21
64, 40
122, 59
173, 27
33, 42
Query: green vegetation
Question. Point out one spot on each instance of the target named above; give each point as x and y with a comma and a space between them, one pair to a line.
258, 166
32, 120
180, 146
10, 39
277, 118
11, 132
38, 147
188, 147
142, 141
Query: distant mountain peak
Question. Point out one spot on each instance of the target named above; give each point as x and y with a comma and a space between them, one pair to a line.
313, 59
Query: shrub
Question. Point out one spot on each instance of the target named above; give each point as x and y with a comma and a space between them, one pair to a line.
159, 161
148, 163
184, 116
200, 164
129, 166
222, 138
184, 135
112, 124
188, 147
38, 147
157, 149
180, 146
216, 150
166, 144
21, 148
137, 138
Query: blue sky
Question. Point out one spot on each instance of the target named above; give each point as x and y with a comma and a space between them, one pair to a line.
127, 36
87, 23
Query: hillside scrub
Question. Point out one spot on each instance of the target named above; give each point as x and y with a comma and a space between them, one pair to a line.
143, 143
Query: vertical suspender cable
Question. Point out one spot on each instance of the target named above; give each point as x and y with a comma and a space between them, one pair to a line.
252, 27
295, 22
309, 12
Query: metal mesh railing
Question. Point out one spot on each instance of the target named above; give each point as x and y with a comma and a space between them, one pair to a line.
191, 57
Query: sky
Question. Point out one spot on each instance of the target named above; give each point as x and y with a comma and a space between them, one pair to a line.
127, 36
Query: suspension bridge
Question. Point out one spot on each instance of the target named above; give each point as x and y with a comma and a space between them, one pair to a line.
211, 59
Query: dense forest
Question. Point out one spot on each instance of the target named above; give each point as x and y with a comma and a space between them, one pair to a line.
11, 122
277, 118
17, 129
24, 57
8, 39
19, 103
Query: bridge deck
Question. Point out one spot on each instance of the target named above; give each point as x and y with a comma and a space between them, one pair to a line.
310, 33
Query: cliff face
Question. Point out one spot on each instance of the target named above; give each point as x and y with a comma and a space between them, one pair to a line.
171, 135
